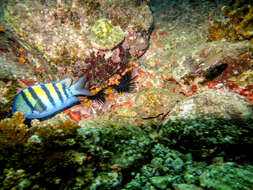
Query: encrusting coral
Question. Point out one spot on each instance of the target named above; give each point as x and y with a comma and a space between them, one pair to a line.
238, 25
13, 131
104, 35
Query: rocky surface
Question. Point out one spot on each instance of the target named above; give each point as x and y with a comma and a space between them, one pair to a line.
217, 61
18, 61
213, 104
152, 102
60, 30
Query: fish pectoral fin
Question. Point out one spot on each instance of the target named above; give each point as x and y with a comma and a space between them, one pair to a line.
38, 108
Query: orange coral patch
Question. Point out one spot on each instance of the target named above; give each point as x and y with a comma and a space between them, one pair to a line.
138, 122
22, 59
28, 83
109, 91
148, 84
87, 102
163, 33
2, 29
93, 91
141, 73
74, 116
111, 97
118, 77
194, 88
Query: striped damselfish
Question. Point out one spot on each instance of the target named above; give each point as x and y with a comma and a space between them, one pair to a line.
42, 100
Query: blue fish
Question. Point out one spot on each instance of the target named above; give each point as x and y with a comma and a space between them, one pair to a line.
42, 100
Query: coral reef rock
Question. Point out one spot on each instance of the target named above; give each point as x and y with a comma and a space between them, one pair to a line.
238, 25
19, 61
213, 104
152, 102
96, 38
60, 29
105, 36
217, 61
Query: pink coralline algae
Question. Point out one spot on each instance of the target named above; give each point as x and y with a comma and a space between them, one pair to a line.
135, 42
115, 56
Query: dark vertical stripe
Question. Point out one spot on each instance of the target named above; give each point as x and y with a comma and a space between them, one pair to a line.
58, 92
50, 98
64, 90
27, 100
36, 97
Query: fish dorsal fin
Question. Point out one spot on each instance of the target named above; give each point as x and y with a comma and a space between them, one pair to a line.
67, 82
39, 108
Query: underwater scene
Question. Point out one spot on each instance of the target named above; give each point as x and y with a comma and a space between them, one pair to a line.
126, 94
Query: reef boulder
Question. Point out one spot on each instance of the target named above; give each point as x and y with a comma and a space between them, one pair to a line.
213, 104
153, 102
216, 61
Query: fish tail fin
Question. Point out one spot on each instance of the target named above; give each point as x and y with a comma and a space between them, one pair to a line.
78, 87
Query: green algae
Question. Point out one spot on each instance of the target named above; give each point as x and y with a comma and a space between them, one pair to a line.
102, 28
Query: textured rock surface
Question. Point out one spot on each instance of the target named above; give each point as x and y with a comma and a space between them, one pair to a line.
238, 23
216, 61
152, 102
19, 61
59, 30
213, 104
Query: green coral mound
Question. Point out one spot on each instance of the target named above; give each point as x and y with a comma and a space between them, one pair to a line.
64, 155
227, 176
105, 36
168, 167
209, 137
